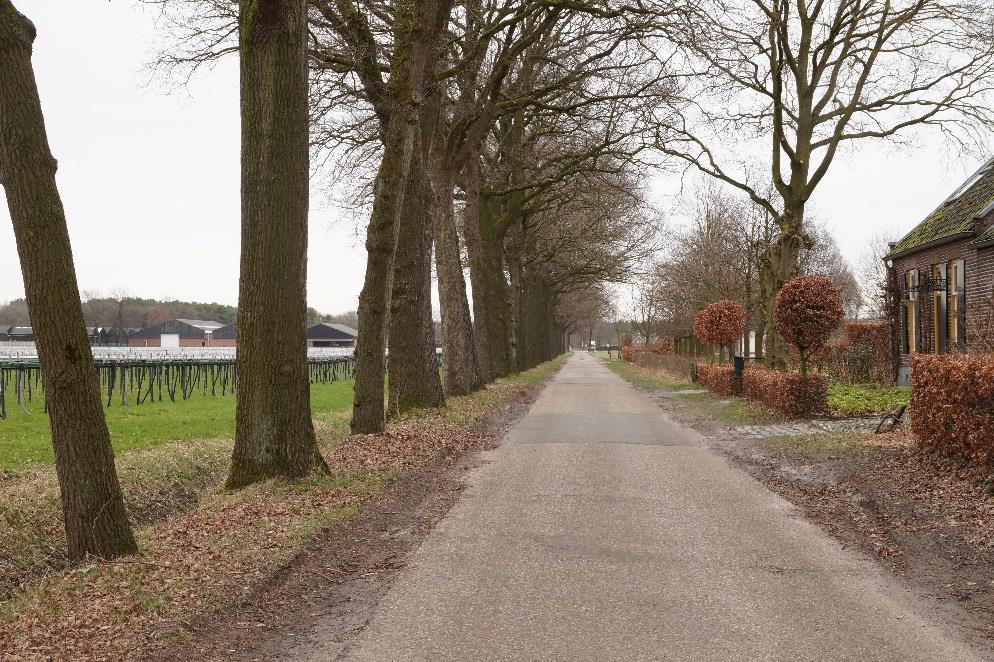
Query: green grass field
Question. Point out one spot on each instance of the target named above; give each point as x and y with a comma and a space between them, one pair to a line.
26, 439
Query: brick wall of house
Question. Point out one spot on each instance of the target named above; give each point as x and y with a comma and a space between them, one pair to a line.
979, 285
980, 308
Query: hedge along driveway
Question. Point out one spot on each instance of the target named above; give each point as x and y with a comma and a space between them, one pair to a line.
653, 378
27, 440
786, 394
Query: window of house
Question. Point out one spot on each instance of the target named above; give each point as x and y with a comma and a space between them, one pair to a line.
938, 288
956, 285
910, 312
953, 307
938, 317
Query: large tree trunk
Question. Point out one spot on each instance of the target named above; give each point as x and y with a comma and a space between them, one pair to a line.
776, 270
537, 325
274, 435
474, 252
462, 368
417, 29
95, 518
374, 300
519, 312
414, 379
491, 295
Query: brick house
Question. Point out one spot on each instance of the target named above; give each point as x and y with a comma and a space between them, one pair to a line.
943, 275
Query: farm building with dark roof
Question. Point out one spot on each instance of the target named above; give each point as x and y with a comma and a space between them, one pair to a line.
225, 336
17, 333
944, 273
176, 333
325, 334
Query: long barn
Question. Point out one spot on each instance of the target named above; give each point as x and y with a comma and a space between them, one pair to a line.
178, 333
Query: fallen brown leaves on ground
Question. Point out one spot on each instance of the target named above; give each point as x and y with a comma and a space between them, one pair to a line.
222, 550
927, 518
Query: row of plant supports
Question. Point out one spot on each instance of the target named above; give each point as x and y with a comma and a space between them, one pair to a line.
130, 381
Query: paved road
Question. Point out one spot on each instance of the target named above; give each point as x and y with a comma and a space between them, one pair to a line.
601, 530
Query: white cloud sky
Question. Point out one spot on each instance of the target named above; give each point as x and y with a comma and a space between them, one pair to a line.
149, 175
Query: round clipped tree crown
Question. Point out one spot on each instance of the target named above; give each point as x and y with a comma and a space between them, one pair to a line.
808, 309
721, 323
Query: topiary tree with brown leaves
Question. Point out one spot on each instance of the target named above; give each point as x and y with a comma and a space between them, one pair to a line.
722, 323
808, 309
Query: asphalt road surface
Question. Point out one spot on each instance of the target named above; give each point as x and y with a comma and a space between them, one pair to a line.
601, 530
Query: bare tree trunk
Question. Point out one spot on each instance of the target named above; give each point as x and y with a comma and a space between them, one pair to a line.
96, 521
414, 379
491, 295
521, 313
274, 435
417, 26
474, 253
374, 300
462, 368
780, 267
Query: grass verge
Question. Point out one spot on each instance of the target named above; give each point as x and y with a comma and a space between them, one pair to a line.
857, 399
738, 411
217, 551
644, 377
730, 410
829, 445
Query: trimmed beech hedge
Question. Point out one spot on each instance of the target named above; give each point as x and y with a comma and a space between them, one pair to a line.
787, 393
662, 348
716, 378
952, 401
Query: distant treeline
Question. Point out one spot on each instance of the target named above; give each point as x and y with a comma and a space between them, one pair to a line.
130, 312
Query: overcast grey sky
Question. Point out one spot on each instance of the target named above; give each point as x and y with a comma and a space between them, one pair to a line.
149, 176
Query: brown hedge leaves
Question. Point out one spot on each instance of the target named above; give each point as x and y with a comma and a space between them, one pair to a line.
808, 309
952, 406
718, 379
788, 394
722, 323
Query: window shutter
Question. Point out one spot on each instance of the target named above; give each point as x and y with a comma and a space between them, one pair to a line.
961, 304
943, 322
916, 301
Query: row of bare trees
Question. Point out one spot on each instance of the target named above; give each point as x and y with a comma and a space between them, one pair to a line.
506, 139
719, 254
514, 144
499, 135
511, 137
789, 85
